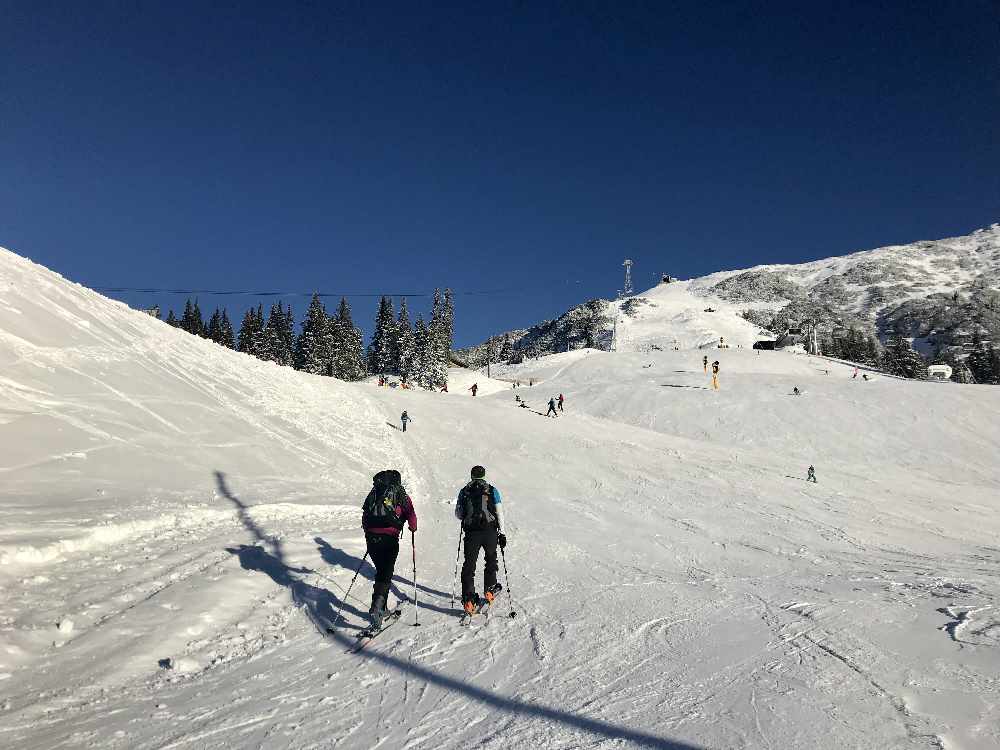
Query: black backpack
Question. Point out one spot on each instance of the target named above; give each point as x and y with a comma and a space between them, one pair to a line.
379, 509
479, 510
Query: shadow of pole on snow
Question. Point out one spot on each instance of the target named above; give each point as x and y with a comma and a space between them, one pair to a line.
317, 605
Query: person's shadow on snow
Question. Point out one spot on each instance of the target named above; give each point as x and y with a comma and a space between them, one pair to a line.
337, 557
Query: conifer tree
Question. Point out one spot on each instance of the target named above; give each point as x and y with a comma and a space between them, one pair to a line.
275, 339
380, 350
420, 369
172, 320
900, 359
347, 349
312, 350
251, 332
403, 349
225, 331
214, 330
187, 319
438, 345
287, 335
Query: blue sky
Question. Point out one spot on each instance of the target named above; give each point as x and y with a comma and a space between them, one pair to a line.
521, 148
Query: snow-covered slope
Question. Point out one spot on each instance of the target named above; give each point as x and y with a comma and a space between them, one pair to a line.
938, 291
677, 583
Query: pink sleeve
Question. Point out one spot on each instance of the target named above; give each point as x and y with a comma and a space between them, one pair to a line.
410, 514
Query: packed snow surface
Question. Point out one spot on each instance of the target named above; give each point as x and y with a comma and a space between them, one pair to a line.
179, 525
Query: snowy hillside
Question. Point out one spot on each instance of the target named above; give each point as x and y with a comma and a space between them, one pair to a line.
181, 522
939, 291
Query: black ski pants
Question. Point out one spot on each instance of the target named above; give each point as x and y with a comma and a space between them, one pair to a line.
474, 541
383, 549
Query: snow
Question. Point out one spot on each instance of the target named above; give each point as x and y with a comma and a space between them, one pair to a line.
195, 513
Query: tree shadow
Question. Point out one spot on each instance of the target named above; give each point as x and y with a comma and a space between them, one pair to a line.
317, 604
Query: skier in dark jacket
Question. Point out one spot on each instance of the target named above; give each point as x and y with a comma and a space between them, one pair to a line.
552, 408
480, 510
404, 418
561, 399
386, 510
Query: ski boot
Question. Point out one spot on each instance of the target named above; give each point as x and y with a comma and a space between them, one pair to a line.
471, 604
377, 613
492, 592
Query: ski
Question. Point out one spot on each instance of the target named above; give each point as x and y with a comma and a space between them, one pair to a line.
364, 637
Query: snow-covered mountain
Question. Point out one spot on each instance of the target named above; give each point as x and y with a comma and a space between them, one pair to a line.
179, 525
939, 291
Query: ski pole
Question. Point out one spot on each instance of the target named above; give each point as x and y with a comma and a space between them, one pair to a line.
416, 610
344, 600
458, 552
506, 575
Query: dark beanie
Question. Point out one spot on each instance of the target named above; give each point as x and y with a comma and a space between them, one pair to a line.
478, 472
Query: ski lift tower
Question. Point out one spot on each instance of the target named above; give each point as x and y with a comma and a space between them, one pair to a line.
627, 289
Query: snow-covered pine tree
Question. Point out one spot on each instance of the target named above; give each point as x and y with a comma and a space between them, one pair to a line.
225, 331
271, 347
172, 320
900, 359
404, 342
420, 368
214, 330
287, 335
380, 350
251, 333
312, 350
438, 340
347, 345
197, 324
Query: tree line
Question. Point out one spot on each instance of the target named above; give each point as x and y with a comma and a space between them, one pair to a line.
332, 345
898, 357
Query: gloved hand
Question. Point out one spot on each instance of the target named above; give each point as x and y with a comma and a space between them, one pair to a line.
502, 541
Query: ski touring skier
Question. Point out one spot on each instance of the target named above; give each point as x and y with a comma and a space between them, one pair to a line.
552, 408
444, 388
855, 375
704, 364
796, 391
480, 510
386, 510
811, 474
561, 402
715, 374
404, 418
474, 388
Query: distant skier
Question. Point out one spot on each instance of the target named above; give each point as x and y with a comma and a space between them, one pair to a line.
865, 377
811, 474
474, 388
715, 374
404, 418
480, 510
561, 402
704, 364
855, 373
531, 382
386, 509
552, 408
444, 388
796, 391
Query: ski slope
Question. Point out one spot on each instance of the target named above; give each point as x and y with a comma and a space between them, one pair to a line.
180, 525
670, 316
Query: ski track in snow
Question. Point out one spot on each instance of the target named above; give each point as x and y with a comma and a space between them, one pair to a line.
674, 587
